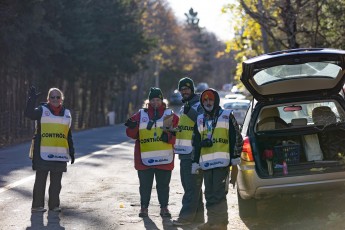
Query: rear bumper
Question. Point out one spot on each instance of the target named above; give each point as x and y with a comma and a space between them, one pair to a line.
252, 186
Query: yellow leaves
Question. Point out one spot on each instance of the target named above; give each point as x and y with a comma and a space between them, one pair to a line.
219, 54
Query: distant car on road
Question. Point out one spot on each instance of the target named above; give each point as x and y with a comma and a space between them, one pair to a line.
239, 108
235, 96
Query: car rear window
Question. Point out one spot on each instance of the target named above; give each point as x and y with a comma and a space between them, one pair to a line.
305, 70
300, 114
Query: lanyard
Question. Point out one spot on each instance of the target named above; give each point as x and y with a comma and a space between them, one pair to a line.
211, 124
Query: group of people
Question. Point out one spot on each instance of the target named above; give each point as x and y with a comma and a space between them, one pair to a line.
205, 137
207, 140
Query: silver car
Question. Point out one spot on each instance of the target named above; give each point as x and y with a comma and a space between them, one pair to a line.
294, 129
239, 108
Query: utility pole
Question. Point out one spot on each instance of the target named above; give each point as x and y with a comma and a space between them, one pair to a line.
157, 74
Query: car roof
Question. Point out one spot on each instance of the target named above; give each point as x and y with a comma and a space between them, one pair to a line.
227, 101
294, 73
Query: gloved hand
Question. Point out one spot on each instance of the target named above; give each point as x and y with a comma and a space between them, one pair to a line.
195, 168
206, 143
131, 124
32, 93
72, 159
236, 161
165, 137
186, 108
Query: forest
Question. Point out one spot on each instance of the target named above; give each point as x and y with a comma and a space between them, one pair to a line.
105, 55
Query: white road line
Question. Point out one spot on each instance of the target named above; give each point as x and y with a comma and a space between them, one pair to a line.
80, 159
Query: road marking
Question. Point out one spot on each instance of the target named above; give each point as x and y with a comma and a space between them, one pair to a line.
80, 159
15, 184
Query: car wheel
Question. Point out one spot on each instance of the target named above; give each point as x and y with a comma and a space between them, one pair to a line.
246, 208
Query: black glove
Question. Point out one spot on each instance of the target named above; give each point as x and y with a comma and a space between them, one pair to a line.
206, 143
165, 137
186, 108
32, 93
131, 124
72, 159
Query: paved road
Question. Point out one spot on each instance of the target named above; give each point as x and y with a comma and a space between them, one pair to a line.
100, 191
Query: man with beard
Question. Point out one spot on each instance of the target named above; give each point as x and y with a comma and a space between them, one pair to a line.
192, 205
217, 145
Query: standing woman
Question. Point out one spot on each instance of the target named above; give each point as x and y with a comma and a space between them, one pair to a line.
52, 146
153, 151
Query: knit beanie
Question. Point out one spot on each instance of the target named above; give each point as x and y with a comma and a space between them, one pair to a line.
187, 82
155, 93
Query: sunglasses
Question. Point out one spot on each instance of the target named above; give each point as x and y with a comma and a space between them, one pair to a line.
184, 88
53, 97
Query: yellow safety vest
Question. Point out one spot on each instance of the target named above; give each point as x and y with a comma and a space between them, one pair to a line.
54, 132
219, 154
183, 144
153, 150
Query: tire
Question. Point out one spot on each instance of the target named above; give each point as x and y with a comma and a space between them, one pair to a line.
246, 208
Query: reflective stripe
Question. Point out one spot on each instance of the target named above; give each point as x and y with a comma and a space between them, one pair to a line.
153, 150
54, 133
215, 160
183, 147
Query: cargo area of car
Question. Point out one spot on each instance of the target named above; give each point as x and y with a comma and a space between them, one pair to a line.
297, 152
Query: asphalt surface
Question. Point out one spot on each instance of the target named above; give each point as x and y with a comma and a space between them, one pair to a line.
101, 191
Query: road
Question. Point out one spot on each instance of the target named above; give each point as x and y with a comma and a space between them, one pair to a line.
100, 191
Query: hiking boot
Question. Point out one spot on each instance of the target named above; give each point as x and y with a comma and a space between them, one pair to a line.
38, 209
56, 209
165, 212
180, 222
144, 212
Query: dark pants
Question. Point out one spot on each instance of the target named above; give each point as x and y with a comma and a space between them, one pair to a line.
40, 188
162, 185
192, 204
215, 194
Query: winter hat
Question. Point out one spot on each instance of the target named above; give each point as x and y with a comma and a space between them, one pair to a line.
211, 94
155, 93
208, 94
187, 82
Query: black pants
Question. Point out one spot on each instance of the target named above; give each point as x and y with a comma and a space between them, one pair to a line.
215, 194
162, 185
192, 203
40, 188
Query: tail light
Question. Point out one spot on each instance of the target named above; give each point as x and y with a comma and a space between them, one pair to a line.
247, 154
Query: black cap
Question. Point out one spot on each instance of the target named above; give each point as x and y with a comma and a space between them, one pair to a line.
186, 82
155, 93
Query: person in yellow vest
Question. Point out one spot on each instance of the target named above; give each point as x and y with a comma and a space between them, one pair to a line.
192, 210
218, 145
154, 134
52, 146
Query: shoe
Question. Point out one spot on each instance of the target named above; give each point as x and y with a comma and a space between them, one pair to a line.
144, 212
180, 222
56, 209
165, 212
38, 209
